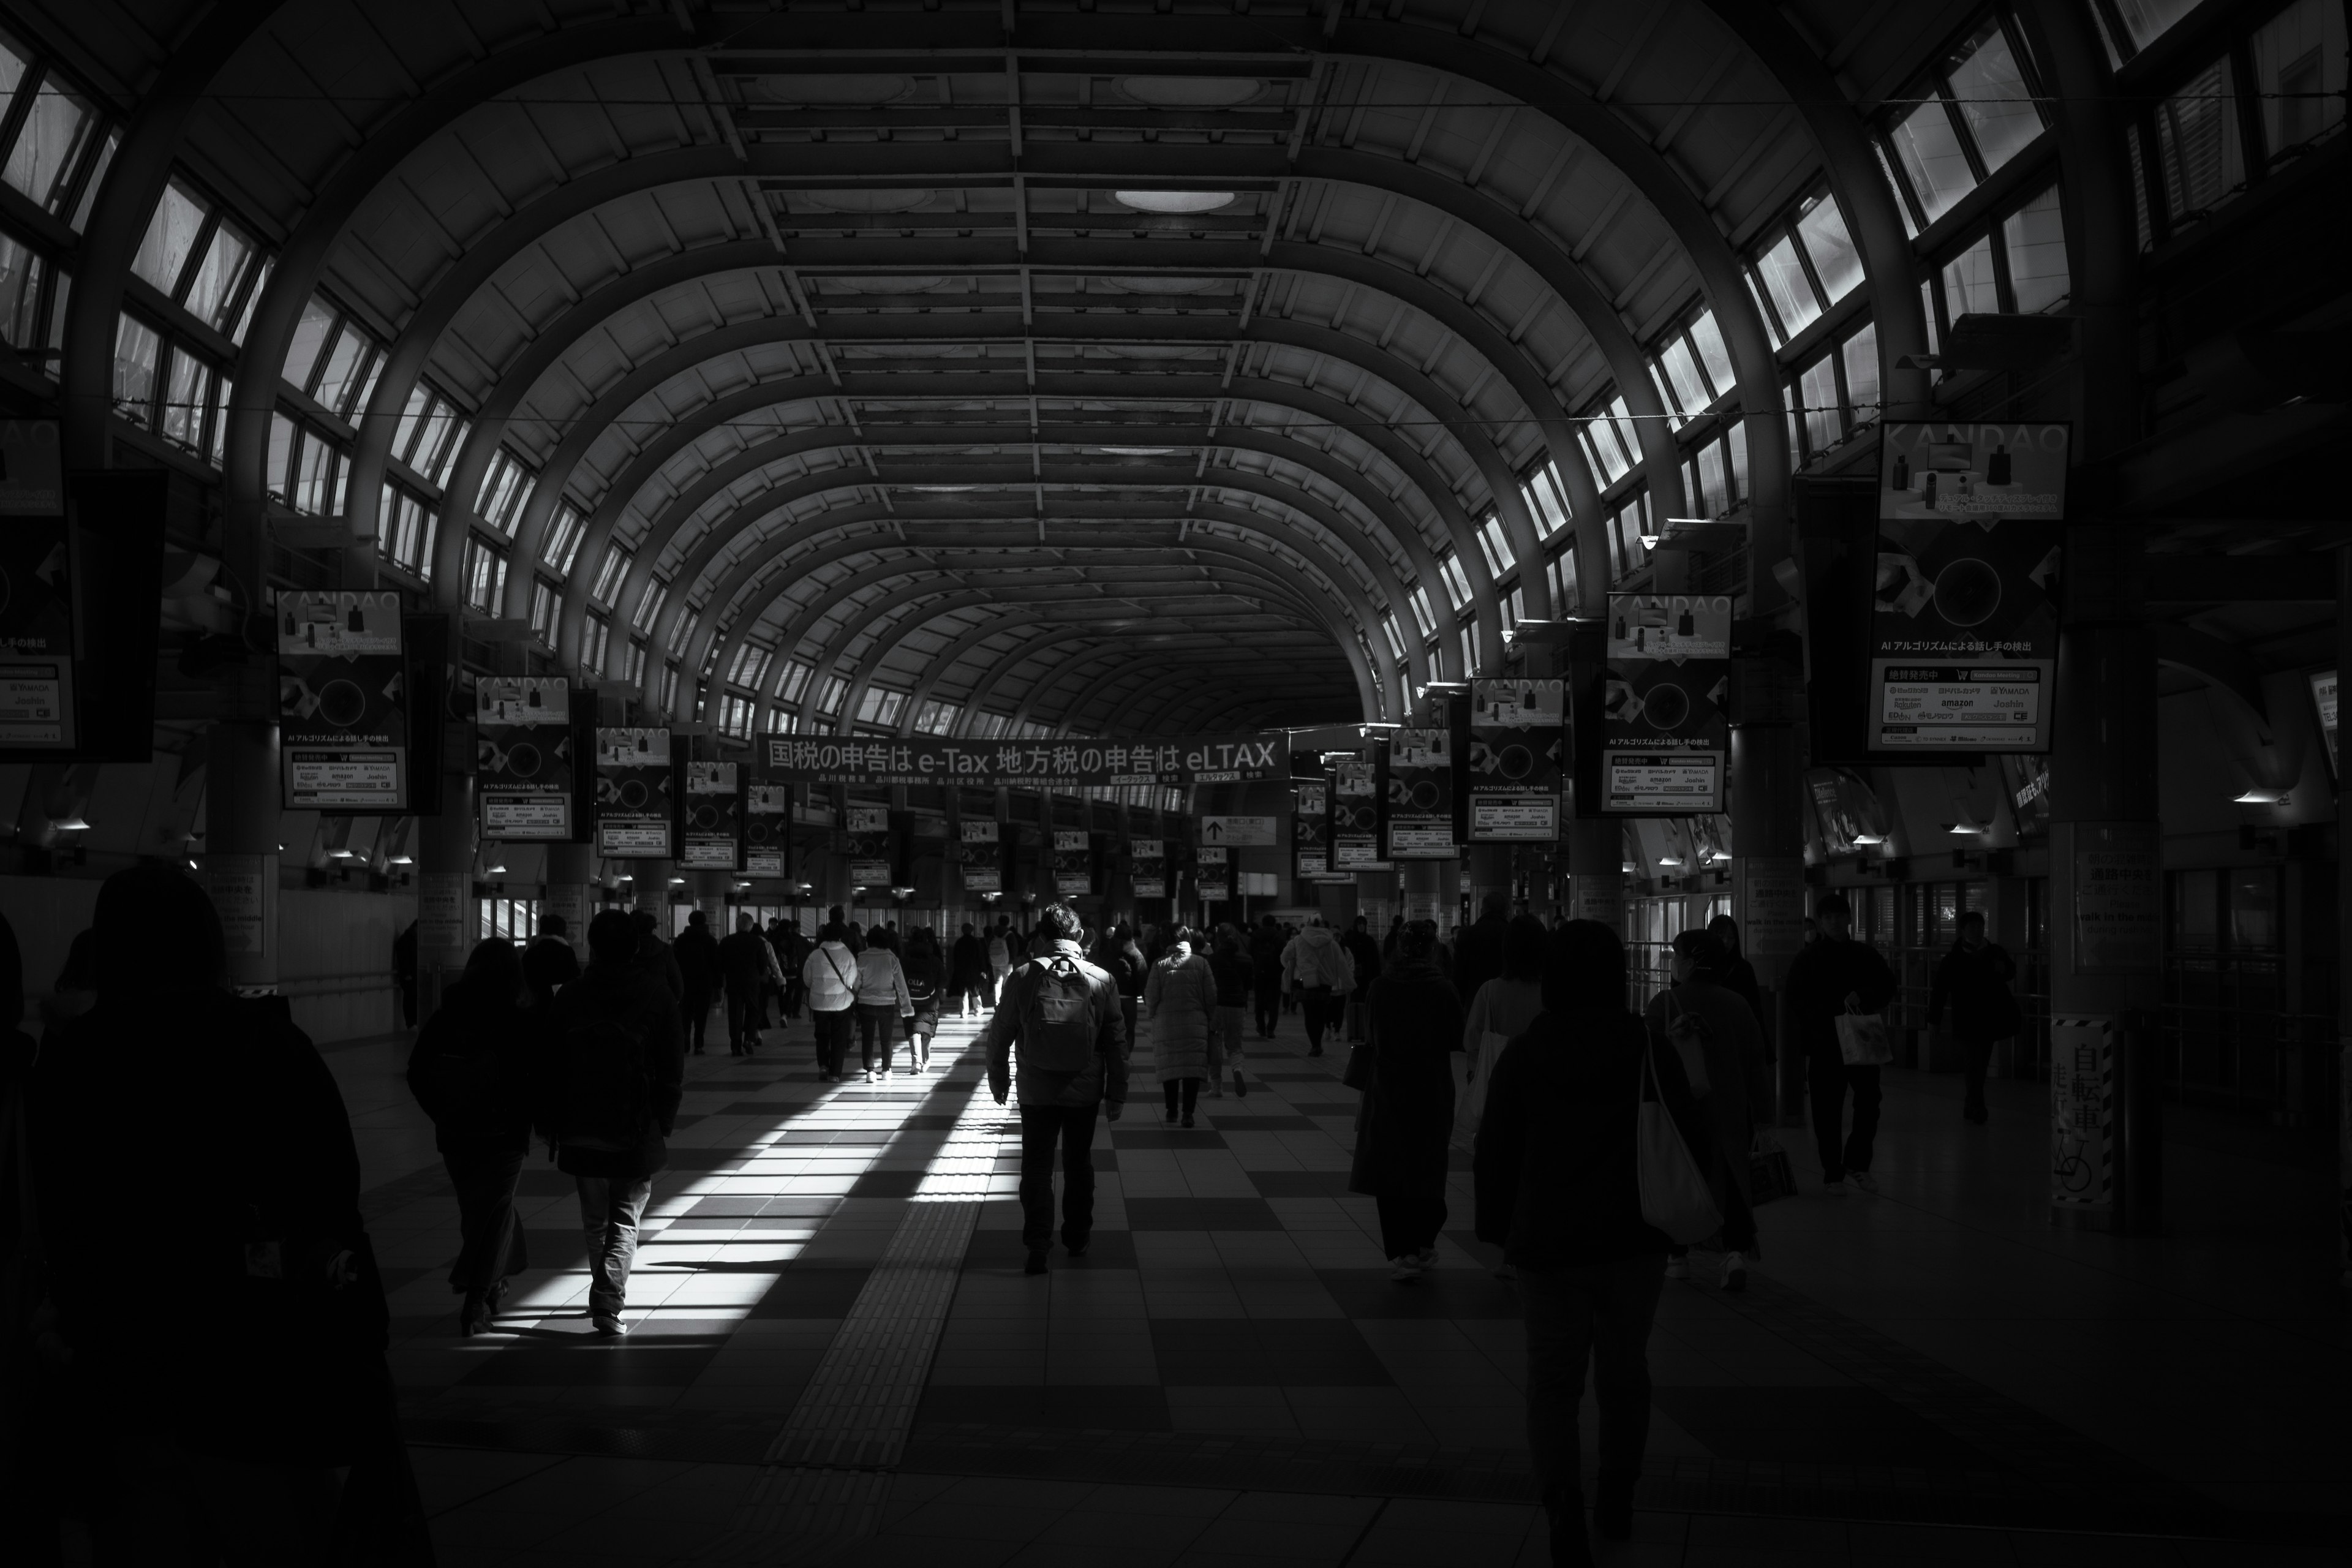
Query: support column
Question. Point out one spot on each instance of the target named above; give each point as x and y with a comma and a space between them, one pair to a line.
1596, 873
710, 891
1417, 888
570, 871
446, 916
1768, 842
242, 817
1489, 872
2107, 929
650, 882
2343, 924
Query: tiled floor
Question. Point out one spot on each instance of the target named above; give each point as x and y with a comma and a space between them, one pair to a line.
1932, 1374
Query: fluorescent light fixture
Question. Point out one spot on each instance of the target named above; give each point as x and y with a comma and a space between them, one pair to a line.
1965, 828
1628, 866
1693, 521
1141, 451
402, 860
498, 870
77, 823
340, 854
194, 866
1173, 201
1669, 860
2256, 796
1650, 540
674, 882
1868, 840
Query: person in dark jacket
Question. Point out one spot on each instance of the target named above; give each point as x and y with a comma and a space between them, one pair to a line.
1701, 1015
1833, 975
272, 1375
1478, 948
747, 965
695, 952
1265, 948
1972, 980
1558, 1187
654, 955
615, 1068
1738, 975
548, 963
1365, 953
925, 969
404, 972
1230, 967
968, 974
472, 1071
1406, 1115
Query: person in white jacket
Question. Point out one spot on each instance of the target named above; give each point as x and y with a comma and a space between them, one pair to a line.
830, 975
1316, 967
882, 1000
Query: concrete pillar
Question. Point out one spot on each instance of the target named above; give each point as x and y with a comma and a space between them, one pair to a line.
1596, 865
447, 921
1768, 841
1488, 872
570, 871
651, 885
1417, 888
242, 817
710, 891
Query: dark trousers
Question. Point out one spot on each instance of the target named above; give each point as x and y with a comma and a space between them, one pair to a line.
877, 1033
1321, 1008
1976, 1055
696, 1010
833, 1033
745, 1016
1409, 1222
491, 1245
611, 1208
1180, 1093
1830, 1077
1042, 1126
1598, 1313
1267, 994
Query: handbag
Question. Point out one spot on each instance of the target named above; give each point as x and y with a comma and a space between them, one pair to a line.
1770, 1176
1358, 1072
1690, 1034
1675, 1194
1863, 1040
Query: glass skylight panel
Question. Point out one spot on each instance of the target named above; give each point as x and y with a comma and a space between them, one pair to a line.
1818, 387
1547, 499
2145, 21
1710, 479
48, 144
212, 291
95, 180
318, 319
1713, 356
1835, 261
342, 367
1968, 288
136, 346
2035, 236
172, 233
2204, 163
20, 295
1860, 352
1791, 290
2298, 59
1929, 151
1457, 581
1992, 96
1682, 369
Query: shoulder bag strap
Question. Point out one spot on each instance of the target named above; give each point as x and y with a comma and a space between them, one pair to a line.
835, 964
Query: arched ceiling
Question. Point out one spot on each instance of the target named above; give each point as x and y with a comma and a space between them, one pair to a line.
1096, 364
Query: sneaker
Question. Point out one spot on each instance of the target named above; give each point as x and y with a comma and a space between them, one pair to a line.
1404, 1270
885, 1075
869, 1075
609, 1324
1612, 1517
1735, 1271
1833, 1188
1241, 1085
1864, 1180
1167, 1116
1426, 1258
1678, 1265
1216, 1088
1186, 1123
1037, 1264
1075, 1248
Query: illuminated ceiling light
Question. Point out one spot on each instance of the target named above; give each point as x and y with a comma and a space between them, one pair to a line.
1173, 201
1965, 828
498, 870
2256, 796
340, 854
674, 882
1191, 92
1628, 866
401, 860
1669, 860
942, 489
1868, 840
74, 824
1650, 540
866, 199
194, 866
1141, 451
1693, 521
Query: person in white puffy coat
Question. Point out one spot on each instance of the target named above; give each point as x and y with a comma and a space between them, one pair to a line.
1319, 969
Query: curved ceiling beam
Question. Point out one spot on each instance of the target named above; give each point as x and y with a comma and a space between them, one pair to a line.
117, 221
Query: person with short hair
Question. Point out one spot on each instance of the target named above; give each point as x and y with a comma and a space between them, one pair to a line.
1180, 997
1738, 975
883, 1000
1832, 977
1265, 947
1710, 1024
1230, 967
1972, 982
1062, 1014
746, 961
1318, 972
549, 963
1365, 954
830, 975
695, 952
1405, 1120
654, 955
1503, 1008
1478, 947
968, 974
925, 979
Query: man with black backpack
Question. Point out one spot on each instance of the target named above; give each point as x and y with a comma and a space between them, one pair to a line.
614, 1075
1065, 1013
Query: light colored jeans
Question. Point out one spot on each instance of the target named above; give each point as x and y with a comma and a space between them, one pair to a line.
610, 1210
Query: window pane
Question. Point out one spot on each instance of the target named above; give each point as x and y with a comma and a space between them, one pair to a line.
310, 337
212, 293
224, 390
1682, 369
183, 400
49, 145
1818, 388
281, 453
1968, 282
1910, 224
135, 348
439, 472
336, 381
253, 299
2146, 20
1791, 291
1621, 424
1710, 479
2203, 164
1547, 500
1738, 441
1675, 419
13, 66
20, 295
170, 234
1928, 307
1994, 97
2036, 236
1861, 352
1712, 353
96, 179
2299, 72
1929, 151
1835, 261
314, 476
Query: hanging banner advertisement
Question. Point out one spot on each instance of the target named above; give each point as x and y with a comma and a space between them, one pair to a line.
867, 819
522, 757
1245, 832
1847, 817
636, 802
714, 816
37, 613
866, 832
1214, 868
1664, 721
1310, 819
342, 701
1148, 858
1980, 473
1072, 862
1421, 795
1067, 764
767, 817
980, 857
1518, 730
2027, 781
2324, 702
1355, 818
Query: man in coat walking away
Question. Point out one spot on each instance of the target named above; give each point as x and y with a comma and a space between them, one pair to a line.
746, 961
1479, 950
1972, 980
1321, 975
697, 954
1365, 953
1833, 975
614, 1074
1064, 1014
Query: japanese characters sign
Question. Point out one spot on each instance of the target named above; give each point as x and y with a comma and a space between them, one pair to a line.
1964, 635
767, 838
636, 803
1986, 473
1061, 764
522, 757
1421, 795
342, 701
1517, 732
1665, 722
1310, 821
714, 816
1355, 818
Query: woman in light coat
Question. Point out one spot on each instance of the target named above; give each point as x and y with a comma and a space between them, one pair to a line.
1179, 998
883, 1000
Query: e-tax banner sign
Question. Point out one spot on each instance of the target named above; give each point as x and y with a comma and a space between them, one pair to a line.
1963, 612
636, 800
342, 701
1067, 763
523, 765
